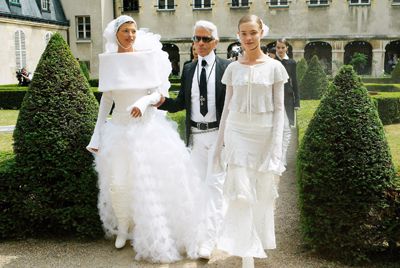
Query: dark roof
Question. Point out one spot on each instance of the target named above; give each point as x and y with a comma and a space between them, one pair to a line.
31, 10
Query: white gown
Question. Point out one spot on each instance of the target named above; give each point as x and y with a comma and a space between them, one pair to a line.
145, 160
253, 156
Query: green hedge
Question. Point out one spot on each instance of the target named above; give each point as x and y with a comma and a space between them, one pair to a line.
11, 100
389, 110
382, 87
376, 80
345, 174
51, 187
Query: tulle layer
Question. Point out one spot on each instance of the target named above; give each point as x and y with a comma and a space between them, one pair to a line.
148, 157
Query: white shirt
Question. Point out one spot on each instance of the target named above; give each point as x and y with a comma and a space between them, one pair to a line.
195, 115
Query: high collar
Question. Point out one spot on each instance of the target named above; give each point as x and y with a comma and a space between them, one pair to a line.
210, 58
286, 57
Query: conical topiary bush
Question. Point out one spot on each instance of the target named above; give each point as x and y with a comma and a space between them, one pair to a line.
344, 169
314, 82
54, 126
301, 69
396, 73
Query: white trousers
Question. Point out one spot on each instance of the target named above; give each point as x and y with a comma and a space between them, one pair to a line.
201, 154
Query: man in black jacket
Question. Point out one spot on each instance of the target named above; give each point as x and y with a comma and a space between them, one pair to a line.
202, 95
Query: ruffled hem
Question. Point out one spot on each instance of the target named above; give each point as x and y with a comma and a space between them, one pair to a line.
163, 188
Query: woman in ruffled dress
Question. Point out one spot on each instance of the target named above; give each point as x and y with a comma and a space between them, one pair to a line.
148, 188
249, 145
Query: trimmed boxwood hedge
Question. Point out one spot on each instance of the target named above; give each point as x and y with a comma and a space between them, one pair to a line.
314, 82
345, 171
51, 186
383, 87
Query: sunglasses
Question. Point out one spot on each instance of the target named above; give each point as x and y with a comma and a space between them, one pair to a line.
205, 39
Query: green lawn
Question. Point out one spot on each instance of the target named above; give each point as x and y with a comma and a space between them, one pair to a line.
8, 117
308, 108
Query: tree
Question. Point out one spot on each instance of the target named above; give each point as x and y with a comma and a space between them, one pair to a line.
314, 82
396, 73
84, 70
344, 169
301, 69
54, 126
359, 61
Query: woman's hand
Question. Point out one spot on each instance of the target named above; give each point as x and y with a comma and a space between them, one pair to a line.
135, 112
93, 150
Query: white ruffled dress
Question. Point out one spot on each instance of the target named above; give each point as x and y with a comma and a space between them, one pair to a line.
145, 155
253, 156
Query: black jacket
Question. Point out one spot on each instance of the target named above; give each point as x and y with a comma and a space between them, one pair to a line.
292, 96
184, 98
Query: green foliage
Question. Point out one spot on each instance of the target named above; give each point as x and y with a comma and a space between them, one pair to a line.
94, 82
389, 110
344, 171
301, 69
52, 188
396, 73
383, 87
314, 82
84, 70
359, 61
377, 80
11, 99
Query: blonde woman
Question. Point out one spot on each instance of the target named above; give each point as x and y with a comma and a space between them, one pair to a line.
250, 138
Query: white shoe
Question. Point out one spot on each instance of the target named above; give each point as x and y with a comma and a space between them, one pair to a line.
204, 253
120, 241
247, 262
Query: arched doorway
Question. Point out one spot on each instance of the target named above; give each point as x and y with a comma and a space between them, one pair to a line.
323, 51
360, 47
173, 55
392, 55
289, 52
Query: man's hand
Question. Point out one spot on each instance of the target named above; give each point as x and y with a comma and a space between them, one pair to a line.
160, 102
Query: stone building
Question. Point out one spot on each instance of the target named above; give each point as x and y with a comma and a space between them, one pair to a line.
332, 29
27, 25
25, 29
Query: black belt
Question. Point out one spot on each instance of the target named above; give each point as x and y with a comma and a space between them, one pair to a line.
204, 125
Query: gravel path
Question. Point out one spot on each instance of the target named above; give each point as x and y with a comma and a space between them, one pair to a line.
101, 253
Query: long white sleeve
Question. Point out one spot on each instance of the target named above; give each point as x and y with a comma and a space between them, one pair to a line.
274, 163
106, 103
218, 165
145, 101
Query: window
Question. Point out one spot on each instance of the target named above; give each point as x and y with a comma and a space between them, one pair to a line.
240, 3
396, 2
275, 3
15, 2
20, 49
45, 5
360, 2
83, 28
48, 37
166, 4
202, 4
131, 5
318, 3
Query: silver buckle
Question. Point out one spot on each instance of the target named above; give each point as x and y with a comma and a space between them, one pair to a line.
200, 124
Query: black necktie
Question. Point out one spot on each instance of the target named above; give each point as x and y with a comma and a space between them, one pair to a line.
203, 89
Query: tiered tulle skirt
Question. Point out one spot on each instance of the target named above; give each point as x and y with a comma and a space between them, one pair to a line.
163, 190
